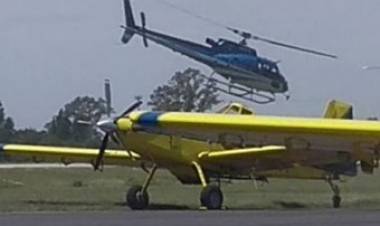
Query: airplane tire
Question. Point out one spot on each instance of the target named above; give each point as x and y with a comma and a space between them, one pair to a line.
336, 201
212, 197
136, 200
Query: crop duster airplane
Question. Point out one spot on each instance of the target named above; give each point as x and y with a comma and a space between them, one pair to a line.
206, 148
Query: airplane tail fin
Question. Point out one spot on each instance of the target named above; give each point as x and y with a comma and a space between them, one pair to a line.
339, 110
130, 22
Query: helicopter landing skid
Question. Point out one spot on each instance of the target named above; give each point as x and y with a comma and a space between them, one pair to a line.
239, 91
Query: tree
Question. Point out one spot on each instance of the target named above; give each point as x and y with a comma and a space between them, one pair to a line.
6, 126
186, 92
29, 136
65, 128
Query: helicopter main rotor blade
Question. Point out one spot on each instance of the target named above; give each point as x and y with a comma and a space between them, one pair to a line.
371, 68
247, 35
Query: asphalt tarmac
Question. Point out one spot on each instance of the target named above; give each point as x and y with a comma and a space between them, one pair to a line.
197, 218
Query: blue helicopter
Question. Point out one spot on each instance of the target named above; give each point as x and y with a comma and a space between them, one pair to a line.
246, 74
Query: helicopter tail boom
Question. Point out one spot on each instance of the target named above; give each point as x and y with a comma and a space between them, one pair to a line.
129, 21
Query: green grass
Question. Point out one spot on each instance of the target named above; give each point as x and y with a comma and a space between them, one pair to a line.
24, 190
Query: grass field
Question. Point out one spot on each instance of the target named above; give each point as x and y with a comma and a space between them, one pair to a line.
82, 189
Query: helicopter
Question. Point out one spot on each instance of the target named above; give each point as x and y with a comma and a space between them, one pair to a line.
246, 74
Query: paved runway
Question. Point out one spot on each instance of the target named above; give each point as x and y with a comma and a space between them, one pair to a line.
198, 218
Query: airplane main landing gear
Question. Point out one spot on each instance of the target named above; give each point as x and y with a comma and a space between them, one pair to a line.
137, 196
337, 199
211, 195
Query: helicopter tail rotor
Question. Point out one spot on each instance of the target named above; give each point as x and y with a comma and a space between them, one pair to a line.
143, 23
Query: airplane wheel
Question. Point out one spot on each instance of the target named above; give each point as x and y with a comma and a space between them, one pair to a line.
137, 200
212, 197
336, 201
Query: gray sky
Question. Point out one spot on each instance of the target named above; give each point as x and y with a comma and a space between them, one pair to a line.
53, 51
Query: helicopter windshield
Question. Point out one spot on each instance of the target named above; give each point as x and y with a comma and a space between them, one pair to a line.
268, 68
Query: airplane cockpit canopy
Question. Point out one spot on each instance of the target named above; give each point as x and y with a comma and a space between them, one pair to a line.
236, 109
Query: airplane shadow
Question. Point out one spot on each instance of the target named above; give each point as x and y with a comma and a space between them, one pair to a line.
278, 205
290, 205
61, 203
160, 206
168, 207
98, 204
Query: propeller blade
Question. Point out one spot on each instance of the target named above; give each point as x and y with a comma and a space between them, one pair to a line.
107, 92
247, 35
114, 139
131, 108
85, 123
102, 151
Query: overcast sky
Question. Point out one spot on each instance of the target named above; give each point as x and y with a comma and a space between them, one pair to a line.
55, 50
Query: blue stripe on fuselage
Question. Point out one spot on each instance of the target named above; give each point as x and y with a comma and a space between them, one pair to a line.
149, 119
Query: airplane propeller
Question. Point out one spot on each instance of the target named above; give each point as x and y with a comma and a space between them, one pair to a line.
109, 128
246, 35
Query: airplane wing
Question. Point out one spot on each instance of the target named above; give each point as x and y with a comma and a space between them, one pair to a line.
359, 138
68, 155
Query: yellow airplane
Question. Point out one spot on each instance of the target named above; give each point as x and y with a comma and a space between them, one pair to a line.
204, 148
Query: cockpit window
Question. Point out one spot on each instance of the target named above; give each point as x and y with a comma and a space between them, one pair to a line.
246, 112
236, 109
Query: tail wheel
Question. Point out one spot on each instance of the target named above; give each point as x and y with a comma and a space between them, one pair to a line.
136, 199
212, 197
336, 201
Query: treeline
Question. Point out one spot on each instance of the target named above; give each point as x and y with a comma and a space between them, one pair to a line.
185, 91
